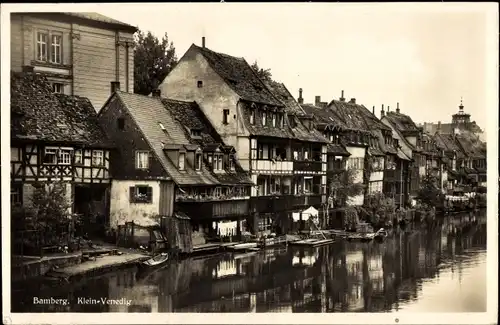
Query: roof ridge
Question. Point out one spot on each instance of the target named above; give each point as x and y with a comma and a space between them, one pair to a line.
219, 53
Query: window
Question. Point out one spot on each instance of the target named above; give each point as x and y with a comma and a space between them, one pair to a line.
121, 123
182, 161
78, 156
56, 49
292, 121
142, 160
41, 46
162, 127
264, 116
97, 158
231, 162
196, 133
141, 194
218, 162
252, 117
210, 161
64, 157
199, 83
57, 88
274, 119
16, 194
50, 156
331, 137
197, 162
225, 115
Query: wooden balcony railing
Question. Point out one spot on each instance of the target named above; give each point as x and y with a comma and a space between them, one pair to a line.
307, 166
272, 166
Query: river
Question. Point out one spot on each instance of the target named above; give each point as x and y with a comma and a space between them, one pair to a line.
424, 269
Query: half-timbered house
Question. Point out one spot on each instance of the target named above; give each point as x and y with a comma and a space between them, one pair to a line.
474, 163
57, 138
453, 154
170, 162
260, 126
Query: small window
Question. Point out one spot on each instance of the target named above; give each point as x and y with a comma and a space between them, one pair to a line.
78, 156
161, 126
64, 157
197, 162
182, 161
200, 83
331, 137
50, 156
225, 115
252, 117
56, 49
231, 162
219, 162
97, 158
264, 116
141, 194
41, 46
274, 119
196, 134
121, 123
142, 160
16, 194
57, 88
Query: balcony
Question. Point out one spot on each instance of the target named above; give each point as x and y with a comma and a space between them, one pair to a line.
208, 198
307, 167
307, 200
272, 166
215, 209
272, 203
392, 175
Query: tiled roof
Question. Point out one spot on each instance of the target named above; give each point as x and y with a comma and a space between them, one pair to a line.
39, 114
471, 147
300, 132
375, 152
269, 131
337, 149
100, 18
402, 122
389, 149
189, 116
447, 142
350, 114
239, 76
324, 116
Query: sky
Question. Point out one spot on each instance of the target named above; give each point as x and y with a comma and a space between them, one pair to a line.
425, 60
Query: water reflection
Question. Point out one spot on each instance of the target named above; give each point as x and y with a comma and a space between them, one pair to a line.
406, 272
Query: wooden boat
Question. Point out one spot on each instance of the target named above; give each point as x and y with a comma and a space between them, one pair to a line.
313, 242
154, 262
243, 247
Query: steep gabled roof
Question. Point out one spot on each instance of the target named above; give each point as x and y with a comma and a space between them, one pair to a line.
324, 117
448, 143
350, 115
402, 122
189, 116
39, 114
239, 76
280, 91
471, 147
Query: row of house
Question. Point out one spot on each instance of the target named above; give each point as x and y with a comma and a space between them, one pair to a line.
214, 144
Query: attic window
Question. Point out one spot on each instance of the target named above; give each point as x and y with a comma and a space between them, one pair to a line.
121, 123
182, 161
197, 161
264, 118
291, 119
196, 133
252, 116
199, 83
57, 88
274, 119
225, 113
231, 161
162, 126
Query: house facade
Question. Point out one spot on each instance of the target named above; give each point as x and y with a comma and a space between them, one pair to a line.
57, 138
453, 154
79, 53
248, 116
171, 163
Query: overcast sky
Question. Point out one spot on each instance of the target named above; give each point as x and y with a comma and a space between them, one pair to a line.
425, 60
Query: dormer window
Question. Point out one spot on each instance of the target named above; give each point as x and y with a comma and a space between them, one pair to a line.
252, 116
182, 161
274, 119
291, 119
195, 134
264, 118
231, 162
217, 163
331, 137
197, 161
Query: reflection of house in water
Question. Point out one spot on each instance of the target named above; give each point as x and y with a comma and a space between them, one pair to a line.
376, 273
306, 258
144, 296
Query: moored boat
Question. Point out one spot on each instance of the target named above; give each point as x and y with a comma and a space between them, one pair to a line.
154, 262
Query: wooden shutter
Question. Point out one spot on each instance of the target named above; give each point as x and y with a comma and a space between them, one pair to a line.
132, 194
150, 194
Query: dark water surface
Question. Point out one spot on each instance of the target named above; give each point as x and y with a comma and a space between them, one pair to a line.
430, 269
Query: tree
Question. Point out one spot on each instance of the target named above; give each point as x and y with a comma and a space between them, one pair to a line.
343, 185
429, 193
263, 74
153, 60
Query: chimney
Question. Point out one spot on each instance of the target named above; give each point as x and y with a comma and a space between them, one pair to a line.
439, 126
388, 108
353, 101
28, 68
317, 101
115, 86
203, 42
397, 107
373, 110
300, 99
382, 113
156, 92
342, 99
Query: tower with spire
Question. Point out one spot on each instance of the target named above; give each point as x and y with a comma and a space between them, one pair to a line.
461, 120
